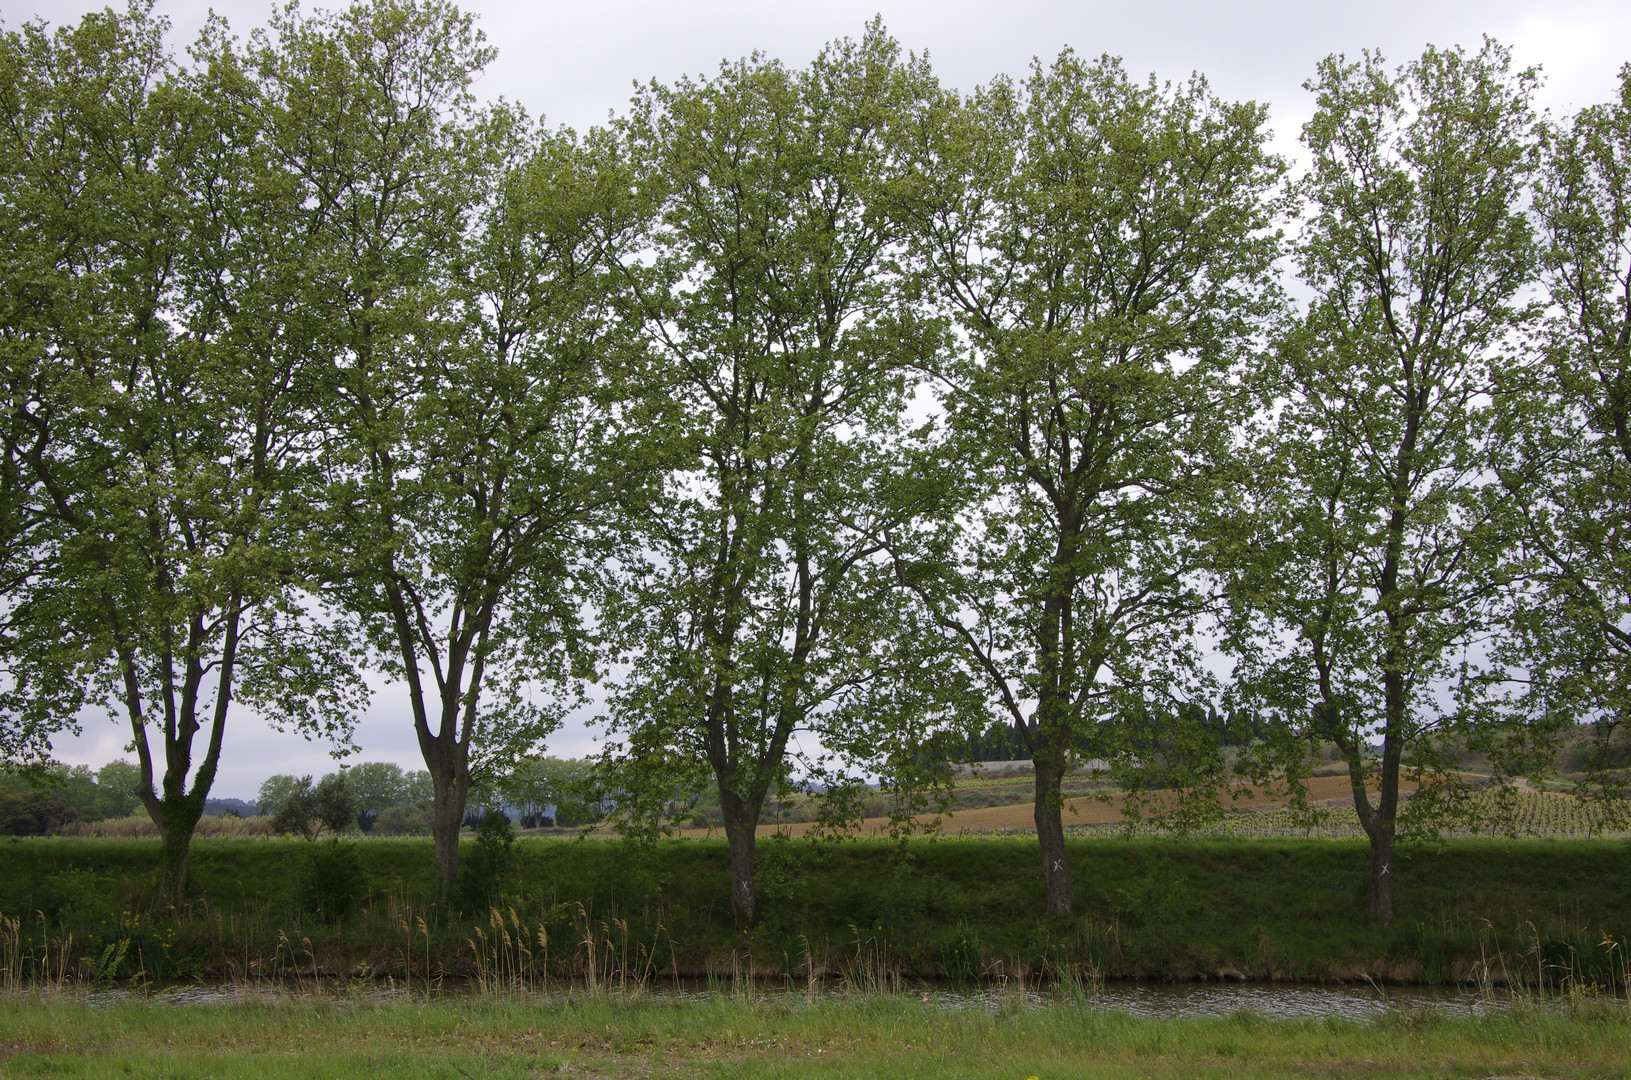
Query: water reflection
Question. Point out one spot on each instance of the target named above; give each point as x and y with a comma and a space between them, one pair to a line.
1360, 1002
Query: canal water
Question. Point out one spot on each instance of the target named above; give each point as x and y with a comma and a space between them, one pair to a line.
1349, 1001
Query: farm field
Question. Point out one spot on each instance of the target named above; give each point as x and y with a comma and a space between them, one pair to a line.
873, 1037
1249, 811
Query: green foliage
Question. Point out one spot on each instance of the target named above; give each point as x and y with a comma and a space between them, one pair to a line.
158, 395
339, 881
571, 787
517, 404
1155, 908
33, 813
116, 784
296, 807
278, 790
960, 954
1106, 246
108, 793
1566, 417
776, 872
105, 965
1380, 548
488, 864
335, 803
381, 785
479, 430
762, 598
410, 819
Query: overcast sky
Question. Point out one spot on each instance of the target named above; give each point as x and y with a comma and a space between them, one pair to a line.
576, 64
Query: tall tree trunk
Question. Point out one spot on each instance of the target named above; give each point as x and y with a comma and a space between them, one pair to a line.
742, 833
1381, 870
1385, 822
1380, 823
1049, 736
446, 819
1050, 832
446, 761
177, 832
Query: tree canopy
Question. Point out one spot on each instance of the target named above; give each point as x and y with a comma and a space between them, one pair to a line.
1382, 546
758, 617
837, 419
1106, 248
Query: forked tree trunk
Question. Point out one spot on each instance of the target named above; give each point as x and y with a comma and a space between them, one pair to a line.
1380, 823
175, 814
177, 832
446, 751
176, 811
1050, 833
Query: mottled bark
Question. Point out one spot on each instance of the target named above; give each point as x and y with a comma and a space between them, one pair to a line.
447, 818
1381, 872
742, 833
1050, 832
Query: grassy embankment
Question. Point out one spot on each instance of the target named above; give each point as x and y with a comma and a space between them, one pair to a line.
1478, 910
877, 1037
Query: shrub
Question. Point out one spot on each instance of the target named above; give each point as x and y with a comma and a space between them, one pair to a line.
294, 810
486, 863
339, 883
410, 820
34, 813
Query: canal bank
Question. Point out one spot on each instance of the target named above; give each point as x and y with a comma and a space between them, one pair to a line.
1472, 912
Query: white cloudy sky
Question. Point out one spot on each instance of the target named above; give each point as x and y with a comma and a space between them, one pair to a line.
576, 63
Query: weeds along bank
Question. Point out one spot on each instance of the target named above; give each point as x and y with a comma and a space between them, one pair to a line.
1533, 911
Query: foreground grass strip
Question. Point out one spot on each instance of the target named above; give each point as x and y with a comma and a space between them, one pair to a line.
69, 1037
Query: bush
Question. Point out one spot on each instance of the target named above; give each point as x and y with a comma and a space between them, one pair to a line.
410, 820
303, 808
279, 789
34, 813
339, 883
293, 811
486, 863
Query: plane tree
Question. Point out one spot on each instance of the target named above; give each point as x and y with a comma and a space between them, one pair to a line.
758, 620
467, 269
1105, 246
160, 388
1374, 583
1567, 416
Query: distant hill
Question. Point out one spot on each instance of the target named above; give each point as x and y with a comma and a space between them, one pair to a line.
212, 807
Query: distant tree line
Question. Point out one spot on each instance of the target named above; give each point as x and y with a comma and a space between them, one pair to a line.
825, 414
60, 795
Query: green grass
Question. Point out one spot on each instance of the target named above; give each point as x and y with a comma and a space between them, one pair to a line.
1149, 908
878, 1037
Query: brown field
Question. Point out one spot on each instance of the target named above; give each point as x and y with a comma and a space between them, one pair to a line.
140, 826
1084, 810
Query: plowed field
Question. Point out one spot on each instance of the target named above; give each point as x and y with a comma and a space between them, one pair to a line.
1324, 790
